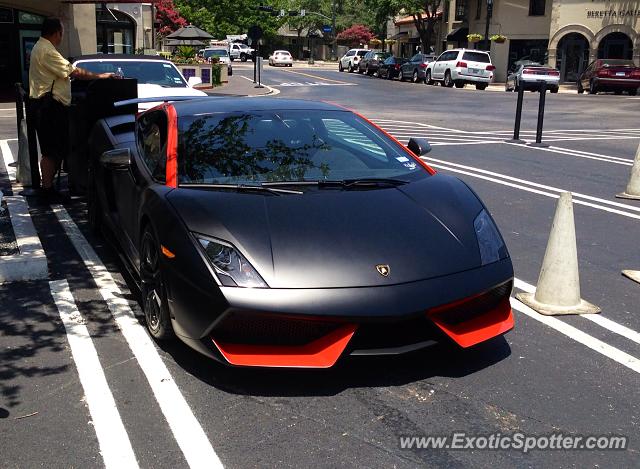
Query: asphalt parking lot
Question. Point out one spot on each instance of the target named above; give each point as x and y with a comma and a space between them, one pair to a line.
77, 337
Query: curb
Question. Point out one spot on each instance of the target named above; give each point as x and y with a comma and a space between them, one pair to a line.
31, 263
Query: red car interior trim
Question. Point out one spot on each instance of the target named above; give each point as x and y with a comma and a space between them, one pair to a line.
172, 147
483, 327
321, 353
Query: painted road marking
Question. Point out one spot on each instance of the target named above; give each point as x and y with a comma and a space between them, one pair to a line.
308, 83
186, 429
272, 91
599, 319
506, 182
582, 337
315, 76
113, 439
7, 156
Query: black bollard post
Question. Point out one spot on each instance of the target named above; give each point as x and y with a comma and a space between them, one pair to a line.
516, 127
543, 93
255, 64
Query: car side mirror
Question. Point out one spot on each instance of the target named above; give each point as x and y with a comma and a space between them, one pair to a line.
194, 81
419, 146
120, 158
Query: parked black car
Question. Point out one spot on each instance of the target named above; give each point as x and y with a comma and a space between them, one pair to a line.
416, 67
390, 68
371, 61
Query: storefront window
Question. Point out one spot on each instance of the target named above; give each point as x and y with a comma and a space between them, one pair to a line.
115, 31
536, 7
534, 50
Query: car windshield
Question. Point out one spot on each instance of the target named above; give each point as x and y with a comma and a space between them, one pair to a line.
362, 53
151, 72
215, 52
476, 57
288, 146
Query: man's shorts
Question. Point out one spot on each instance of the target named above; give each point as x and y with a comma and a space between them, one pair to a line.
52, 126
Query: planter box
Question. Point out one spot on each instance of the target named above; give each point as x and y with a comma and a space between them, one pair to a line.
202, 71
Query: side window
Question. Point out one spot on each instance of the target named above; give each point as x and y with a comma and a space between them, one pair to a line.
441, 57
415, 58
151, 139
351, 53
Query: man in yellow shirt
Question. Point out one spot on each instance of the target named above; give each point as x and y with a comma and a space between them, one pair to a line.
50, 91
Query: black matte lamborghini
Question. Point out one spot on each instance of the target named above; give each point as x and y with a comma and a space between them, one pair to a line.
272, 232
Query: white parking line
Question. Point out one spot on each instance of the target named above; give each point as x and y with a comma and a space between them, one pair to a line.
185, 427
582, 337
8, 159
114, 442
577, 154
599, 319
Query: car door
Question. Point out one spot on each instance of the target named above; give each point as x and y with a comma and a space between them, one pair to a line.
347, 57
585, 78
438, 67
148, 166
407, 67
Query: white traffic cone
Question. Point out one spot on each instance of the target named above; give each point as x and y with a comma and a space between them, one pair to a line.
632, 274
558, 290
633, 188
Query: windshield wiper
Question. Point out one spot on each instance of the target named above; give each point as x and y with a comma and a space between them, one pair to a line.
242, 188
345, 183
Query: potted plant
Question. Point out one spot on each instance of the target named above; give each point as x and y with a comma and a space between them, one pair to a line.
498, 38
475, 37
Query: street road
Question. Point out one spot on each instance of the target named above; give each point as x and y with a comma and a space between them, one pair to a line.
170, 407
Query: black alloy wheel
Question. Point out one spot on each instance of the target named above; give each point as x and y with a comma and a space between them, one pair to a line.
154, 295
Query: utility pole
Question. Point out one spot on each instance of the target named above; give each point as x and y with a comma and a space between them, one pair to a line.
487, 45
334, 45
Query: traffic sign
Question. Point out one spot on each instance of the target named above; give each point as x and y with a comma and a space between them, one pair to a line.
255, 32
327, 28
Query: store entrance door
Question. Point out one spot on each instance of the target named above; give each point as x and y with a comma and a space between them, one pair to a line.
573, 55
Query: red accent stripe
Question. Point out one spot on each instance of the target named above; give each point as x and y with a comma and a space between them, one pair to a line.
172, 146
479, 329
405, 149
321, 353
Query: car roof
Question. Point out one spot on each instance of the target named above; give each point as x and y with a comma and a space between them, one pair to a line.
157, 58
235, 104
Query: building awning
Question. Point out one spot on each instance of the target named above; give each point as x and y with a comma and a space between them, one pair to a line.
458, 35
401, 35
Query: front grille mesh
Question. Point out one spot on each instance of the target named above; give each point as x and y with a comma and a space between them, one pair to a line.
474, 307
255, 329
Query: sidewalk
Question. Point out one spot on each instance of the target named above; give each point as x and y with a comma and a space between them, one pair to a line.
239, 86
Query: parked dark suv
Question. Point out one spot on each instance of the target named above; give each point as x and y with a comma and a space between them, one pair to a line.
416, 67
371, 62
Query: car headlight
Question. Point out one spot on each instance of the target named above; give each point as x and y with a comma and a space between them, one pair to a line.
231, 267
491, 244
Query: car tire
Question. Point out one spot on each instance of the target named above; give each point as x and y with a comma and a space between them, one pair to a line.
340, 67
593, 88
428, 79
401, 76
633, 92
414, 77
481, 86
459, 84
154, 293
580, 88
448, 81
351, 68
554, 90
243, 57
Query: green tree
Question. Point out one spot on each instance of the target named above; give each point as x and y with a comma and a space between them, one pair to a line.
425, 14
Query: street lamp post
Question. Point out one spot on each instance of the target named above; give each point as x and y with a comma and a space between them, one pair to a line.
334, 51
486, 29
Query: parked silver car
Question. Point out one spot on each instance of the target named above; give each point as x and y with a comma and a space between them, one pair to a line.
529, 75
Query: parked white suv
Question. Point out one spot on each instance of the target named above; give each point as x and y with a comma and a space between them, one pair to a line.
351, 59
461, 66
240, 51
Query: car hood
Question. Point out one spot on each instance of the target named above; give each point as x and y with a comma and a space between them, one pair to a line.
146, 90
335, 238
